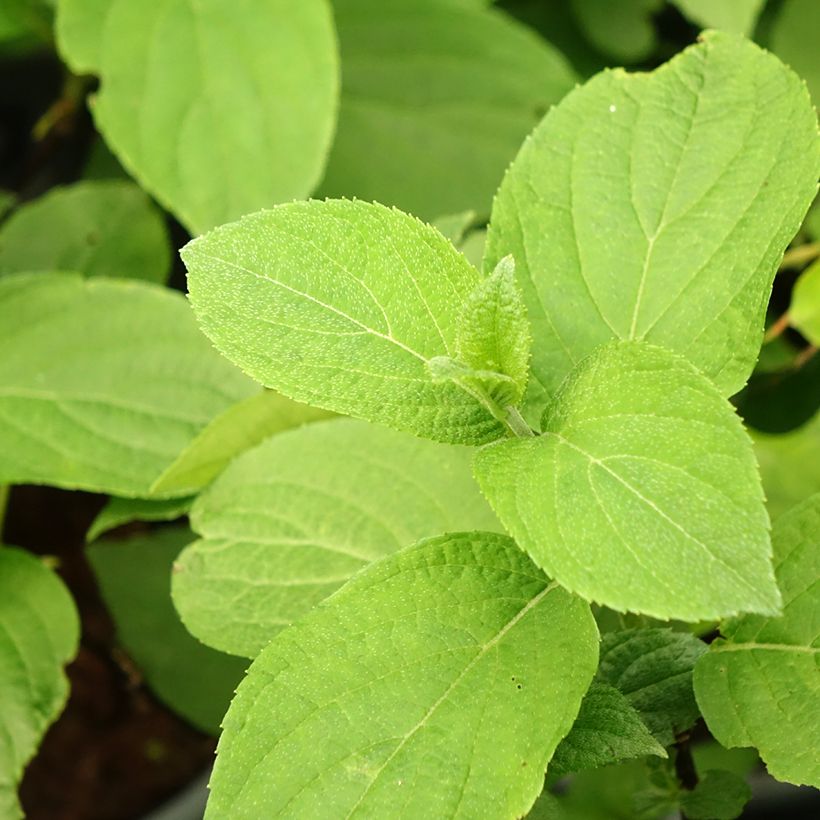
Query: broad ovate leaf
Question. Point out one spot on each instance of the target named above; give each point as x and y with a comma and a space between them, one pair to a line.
437, 683
100, 228
759, 685
217, 109
436, 99
343, 305
656, 206
642, 493
291, 520
102, 382
134, 577
39, 635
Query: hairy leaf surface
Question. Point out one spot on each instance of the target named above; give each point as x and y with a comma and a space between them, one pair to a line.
291, 520
437, 683
642, 493
657, 207
102, 383
760, 686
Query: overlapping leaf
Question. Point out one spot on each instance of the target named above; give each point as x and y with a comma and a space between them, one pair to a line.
642, 493
291, 520
437, 683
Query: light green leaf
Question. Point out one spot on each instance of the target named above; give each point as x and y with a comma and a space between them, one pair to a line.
102, 382
794, 40
216, 109
608, 729
789, 465
79, 31
436, 99
119, 511
106, 228
237, 429
291, 520
804, 311
135, 581
759, 686
39, 634
653, 668
643, 492
454, 227
436, 683
602, 204
342, 305
718, 796
628, 34
735, 16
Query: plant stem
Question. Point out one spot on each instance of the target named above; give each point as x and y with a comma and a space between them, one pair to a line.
804, 355
795, 257
64, 108
685, 764
516, 423
776, 328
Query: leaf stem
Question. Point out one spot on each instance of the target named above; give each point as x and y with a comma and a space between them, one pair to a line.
515, 421
795, 257
804, 355
777, 327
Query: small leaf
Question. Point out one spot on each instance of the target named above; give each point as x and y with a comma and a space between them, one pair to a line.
216, 110
734, 16
119, 511
657, 207
102, 382
39, 634
291, 520
106, 228
759, 685
804, 311
718, 796
653, 669
643, 492
342, 305
239, 428
607, 730
435, 102
436, 683
134, 577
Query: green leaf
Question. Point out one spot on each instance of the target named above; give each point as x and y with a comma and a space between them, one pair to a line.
718, 796
657, 207
735, 16
436, 683
39, 634
119, 511
607, 730
342, 305
106, 228
653, 668
804, 311
102, 382
643, 492
291, 520
239, 428
217, 110
759, 685
24, 24
794, 40
135, 581
789, 465
441, 95
627, 35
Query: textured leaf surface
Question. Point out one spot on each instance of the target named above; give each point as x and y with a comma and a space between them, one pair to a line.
342, 305
601, 205
437, 683
441, 95
102, 383
39, 634
106, 228
718, 796
291, 520
760, 685
804, 311
642, 493
653, 668
119, 511
794, 39
217, 110
135, 580
608, 729
735, 16
237, 429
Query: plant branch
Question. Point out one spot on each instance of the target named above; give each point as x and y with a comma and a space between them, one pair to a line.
515, 421
776, 328
685, 764
795, 257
